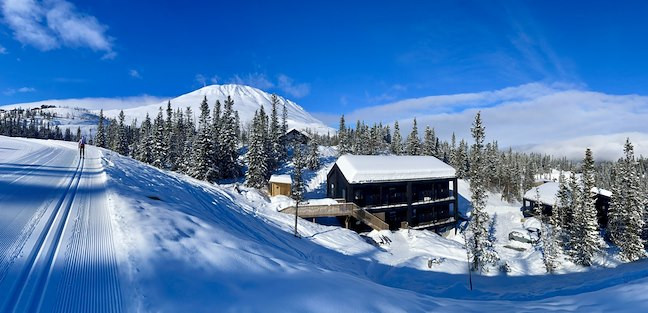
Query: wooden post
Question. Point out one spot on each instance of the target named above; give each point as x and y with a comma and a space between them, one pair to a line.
296, 216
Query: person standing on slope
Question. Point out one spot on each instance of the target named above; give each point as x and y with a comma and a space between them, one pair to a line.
82, 147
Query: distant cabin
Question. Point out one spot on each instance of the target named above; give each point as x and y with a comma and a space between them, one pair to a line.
279, 185
402, 191
549, 196
295, 136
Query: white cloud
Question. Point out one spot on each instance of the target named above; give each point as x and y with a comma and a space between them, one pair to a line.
257, 80
134, 74
93, 103
50, 24
533, 117
287, 85
3, 50
12, 91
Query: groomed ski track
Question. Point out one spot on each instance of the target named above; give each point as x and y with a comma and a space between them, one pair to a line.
56, 245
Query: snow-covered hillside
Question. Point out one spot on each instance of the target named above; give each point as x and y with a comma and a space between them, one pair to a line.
135, 238
246, 101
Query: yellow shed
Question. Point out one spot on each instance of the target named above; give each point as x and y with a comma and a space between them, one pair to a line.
280, 185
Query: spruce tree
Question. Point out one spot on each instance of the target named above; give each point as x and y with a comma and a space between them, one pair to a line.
397, 141
429, 142
169, 136
159, 150
297, 190
101, 132
627, 207
313, 162
284, 131
187, 149
479, 244
144, 152
586, 243
256, 155
203, 165
413, 141
122, 140
274, 133
344, 146
229, 141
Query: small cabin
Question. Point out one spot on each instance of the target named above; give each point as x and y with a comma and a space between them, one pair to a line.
548, 193
279, 185
295, 136
402, 191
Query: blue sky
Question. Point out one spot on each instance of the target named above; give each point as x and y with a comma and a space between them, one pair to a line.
331, 57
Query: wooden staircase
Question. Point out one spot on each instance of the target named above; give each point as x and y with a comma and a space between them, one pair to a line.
338, 209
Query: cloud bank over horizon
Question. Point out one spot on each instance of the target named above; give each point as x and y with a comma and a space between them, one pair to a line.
557, 119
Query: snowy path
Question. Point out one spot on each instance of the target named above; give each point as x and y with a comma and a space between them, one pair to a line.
56, 244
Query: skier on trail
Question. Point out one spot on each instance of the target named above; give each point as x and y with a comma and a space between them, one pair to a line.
82, 147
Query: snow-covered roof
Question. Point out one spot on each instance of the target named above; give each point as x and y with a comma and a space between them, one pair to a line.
281, 179
602, 192
548, 193
379, 168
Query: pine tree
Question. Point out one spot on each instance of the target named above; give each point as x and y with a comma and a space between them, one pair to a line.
313, 162
429, 142
144, 152
159, 151
586, 235
397, 141
344, 147
256, 155
275, 135
122, 141
627, 207
413, 141
462, 160
169, 136
101, 135
229, 141
297, 190
187, 149
479, 244
284, 131
203, 167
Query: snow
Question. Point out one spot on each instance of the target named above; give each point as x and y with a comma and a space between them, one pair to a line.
548, 193
378, 168
182, 245
246, 101
281, 179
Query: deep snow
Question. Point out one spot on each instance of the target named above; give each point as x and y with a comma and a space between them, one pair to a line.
185, 245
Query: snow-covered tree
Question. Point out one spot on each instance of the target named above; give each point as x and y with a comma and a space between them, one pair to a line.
627, 207
122, 140
160, 147
429, 142
397, 141
257, 156
462, 160
228, 148
312, 162
479, 244
203, 161
144, 152
344, 146
274, 134
413, 141
100, 138
297, 190
586, 241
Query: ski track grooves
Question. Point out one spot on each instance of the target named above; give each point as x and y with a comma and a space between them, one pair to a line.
30, 286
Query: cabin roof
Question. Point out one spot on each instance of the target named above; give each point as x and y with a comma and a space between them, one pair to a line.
549, 193
383, 168
281, 179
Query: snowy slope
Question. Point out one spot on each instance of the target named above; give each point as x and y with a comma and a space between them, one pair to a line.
246, 101
182, 245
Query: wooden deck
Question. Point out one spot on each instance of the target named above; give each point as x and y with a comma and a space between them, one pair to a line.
339, 209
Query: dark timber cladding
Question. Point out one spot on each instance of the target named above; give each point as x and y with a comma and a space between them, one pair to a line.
414, 191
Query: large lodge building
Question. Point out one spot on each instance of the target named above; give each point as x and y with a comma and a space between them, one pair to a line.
402, 191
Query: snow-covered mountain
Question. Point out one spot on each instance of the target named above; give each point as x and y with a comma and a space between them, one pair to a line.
246, 101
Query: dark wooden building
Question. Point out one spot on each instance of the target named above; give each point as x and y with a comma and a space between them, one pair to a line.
295, 136
549, 196
403, 191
